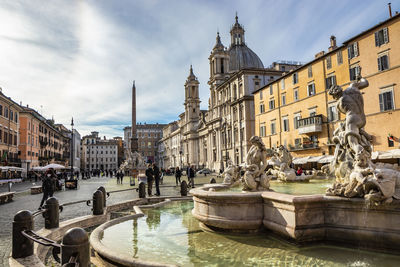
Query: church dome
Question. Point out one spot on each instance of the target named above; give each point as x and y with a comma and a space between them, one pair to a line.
242, 57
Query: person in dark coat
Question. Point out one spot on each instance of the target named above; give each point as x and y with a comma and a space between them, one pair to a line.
156, 173
178, 175
48, 185
191, 175
149, 175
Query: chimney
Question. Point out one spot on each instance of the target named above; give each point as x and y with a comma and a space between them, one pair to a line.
390, 9
333, 43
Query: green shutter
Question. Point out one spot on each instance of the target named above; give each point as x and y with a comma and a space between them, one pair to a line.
379, 64
376, 39
355, 49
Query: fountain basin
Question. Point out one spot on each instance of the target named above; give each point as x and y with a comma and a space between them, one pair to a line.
303, 219
228, 211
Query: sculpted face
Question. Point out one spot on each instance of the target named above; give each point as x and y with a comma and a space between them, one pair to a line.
336, 91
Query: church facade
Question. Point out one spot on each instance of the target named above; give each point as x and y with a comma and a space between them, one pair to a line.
209, 138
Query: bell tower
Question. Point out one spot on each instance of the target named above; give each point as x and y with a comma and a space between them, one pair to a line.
192, 100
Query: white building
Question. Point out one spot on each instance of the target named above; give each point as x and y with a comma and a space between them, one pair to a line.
99, 154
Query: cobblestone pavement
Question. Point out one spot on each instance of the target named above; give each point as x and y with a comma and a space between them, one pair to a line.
23, 200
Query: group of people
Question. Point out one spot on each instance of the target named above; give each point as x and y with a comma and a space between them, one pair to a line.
190, 172
153, 175
120, 177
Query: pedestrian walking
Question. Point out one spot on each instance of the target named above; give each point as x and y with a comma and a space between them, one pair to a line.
149, 175
190, 175
156, 173
48, 185
178, 175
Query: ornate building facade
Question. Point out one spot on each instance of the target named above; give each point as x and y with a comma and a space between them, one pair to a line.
209, 138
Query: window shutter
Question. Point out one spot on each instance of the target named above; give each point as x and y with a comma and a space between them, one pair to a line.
377, 39
334, 80
379, 64
385, 63
381, 102
351, 74
385, 35
355, 49
349, 51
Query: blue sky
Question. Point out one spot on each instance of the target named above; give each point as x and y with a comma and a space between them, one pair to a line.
79, 58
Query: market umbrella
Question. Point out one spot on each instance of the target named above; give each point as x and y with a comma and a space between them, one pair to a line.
53, 166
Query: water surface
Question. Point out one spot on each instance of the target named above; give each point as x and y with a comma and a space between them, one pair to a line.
171, 235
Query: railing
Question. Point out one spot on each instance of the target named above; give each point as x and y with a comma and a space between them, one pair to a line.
314, 120
74, 247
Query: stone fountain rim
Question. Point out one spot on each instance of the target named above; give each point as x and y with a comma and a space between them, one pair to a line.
121, 257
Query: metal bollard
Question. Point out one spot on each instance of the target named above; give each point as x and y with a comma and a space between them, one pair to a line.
75, 243
21, 246
142, 190
103, 190
212, 181
98, 203
184, 189
52, 214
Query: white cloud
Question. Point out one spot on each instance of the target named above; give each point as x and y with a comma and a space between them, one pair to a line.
78, 58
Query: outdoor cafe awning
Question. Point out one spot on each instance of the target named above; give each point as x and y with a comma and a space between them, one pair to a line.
11, 168
319, 159
390, 154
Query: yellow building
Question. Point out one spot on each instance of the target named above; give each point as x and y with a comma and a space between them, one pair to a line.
296, 110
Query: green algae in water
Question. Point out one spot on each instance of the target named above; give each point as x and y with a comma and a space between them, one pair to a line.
171, 235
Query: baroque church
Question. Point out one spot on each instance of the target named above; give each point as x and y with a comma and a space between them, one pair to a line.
210, 138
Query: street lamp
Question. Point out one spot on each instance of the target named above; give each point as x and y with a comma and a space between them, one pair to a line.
72, 148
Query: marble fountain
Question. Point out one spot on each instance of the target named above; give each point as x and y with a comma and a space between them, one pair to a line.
244, 222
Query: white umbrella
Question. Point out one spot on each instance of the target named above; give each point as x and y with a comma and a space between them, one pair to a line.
38, 168
53, 166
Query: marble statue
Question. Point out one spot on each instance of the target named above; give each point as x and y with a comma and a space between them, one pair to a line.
231, 174
255, 178
134, 161
356, 175
281, 160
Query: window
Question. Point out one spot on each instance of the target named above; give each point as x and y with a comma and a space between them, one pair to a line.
273, 128
329, 81
386, 100
383, 62
295, 78
271, 90
296, 119
381, 37
352, 50
339, 57
296, 94
283, 84
311, 89
328, 62
285, 122
1, 110
271, 103
262, 108
261, 95
6, 112
309, 71
262, 131
332, 113
354, 73
284, 99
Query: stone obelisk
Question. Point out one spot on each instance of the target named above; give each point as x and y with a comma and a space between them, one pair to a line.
134, 139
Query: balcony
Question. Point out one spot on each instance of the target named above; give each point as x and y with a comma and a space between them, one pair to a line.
310, 125
304, 146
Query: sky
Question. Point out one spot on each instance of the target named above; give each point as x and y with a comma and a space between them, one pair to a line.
76, 58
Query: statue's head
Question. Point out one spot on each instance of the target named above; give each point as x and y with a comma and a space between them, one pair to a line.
255, 140
336, 91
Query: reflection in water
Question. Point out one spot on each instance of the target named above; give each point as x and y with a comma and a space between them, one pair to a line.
175, 238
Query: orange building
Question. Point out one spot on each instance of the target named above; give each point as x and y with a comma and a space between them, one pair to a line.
29, 145
9, 125
296, 110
